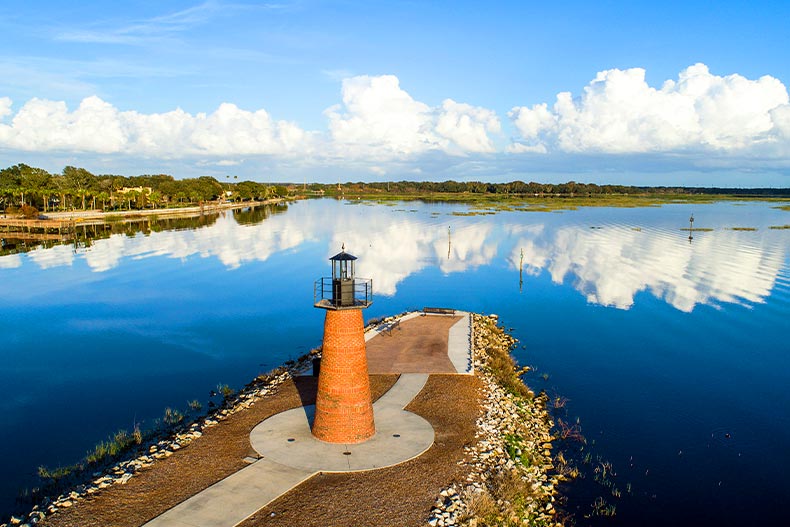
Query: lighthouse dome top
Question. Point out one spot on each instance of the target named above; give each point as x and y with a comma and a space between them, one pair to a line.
343, 256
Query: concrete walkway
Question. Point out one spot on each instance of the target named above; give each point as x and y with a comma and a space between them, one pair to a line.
459, 344
420, 343
235, 498
400, 435
290, 455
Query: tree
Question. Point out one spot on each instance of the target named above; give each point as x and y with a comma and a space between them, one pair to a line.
60, 186
79, 181
36, 182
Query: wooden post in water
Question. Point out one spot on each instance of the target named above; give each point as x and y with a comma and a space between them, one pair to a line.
691, 227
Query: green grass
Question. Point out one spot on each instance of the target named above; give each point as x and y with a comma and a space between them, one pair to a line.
115, 444
553, 203
518, 450
57, 473
473, 213
504, 370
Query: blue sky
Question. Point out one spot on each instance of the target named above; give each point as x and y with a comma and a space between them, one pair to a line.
400, 90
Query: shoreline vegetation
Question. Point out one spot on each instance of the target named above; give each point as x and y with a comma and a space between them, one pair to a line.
513, 474
512, 470
31, 192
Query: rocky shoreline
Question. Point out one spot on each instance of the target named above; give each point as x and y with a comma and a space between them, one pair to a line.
511, 479
510, 470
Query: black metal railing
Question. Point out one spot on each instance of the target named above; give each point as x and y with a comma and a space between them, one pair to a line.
342, 294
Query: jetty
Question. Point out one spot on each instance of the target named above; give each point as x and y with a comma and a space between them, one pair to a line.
440, 444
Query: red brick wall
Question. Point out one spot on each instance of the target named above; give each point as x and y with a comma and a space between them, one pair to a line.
343, 410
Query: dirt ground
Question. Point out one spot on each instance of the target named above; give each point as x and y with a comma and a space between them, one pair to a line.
402, 495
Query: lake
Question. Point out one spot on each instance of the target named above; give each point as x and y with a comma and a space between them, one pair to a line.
673, 354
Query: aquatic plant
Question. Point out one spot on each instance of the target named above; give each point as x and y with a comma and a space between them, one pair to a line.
225, 390
570, 432
559, 402
567, 469
56, 473
137, 434
195, 405
172, 417
601, 508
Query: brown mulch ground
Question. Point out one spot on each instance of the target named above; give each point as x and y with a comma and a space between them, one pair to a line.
210, 458
402, 495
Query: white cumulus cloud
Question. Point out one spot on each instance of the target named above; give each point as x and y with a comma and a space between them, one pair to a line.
97, 126
378, 117
377, 113
618, 112
5, 107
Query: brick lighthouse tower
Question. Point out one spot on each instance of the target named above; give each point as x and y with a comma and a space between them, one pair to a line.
343, 408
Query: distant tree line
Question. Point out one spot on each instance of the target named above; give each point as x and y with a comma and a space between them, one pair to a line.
23, 186
520, 188
34, 189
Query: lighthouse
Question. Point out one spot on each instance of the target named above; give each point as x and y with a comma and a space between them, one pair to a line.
343, 408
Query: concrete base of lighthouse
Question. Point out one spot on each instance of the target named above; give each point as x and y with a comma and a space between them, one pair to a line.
343, 408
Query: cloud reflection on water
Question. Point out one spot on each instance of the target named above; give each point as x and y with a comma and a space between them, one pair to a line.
391, 255
609, 266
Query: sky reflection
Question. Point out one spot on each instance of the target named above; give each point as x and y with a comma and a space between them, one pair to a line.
608, 265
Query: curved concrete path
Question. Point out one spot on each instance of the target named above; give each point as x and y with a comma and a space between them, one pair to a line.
291, 455
400, 435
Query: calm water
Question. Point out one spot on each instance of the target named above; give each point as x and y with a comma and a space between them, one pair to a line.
674, 355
